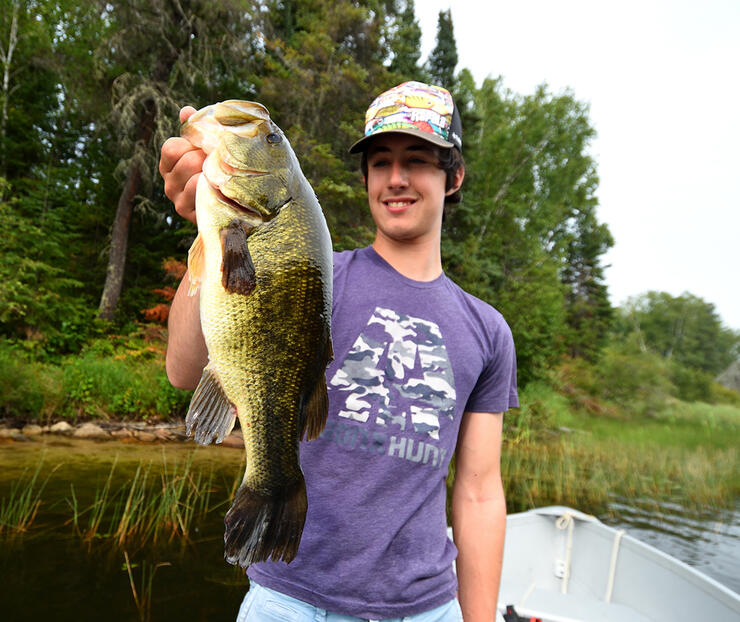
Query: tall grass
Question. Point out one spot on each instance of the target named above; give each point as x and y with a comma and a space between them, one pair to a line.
143, 596
149, 508
19, 509
584, 472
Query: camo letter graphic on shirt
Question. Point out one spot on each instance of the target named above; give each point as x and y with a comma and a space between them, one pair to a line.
398, 372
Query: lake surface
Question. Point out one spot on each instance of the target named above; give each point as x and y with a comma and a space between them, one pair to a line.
707, 540
51, 573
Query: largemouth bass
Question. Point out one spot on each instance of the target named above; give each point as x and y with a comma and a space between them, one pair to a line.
263, 263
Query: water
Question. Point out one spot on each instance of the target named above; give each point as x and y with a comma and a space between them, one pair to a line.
50, 570
707, 541
51, 574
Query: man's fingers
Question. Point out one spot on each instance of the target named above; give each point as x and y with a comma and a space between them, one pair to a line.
185, 113
185, 202
172, 150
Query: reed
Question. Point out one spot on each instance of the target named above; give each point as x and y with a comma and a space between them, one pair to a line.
143, 596
19, 509
148, 508
585, 472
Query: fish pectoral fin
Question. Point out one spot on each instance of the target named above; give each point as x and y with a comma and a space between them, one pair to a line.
317, 407
211, 415
196, 264
237, 270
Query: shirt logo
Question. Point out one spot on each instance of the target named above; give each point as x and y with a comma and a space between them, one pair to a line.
398, 375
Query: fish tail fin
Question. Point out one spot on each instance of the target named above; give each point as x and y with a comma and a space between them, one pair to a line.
260, 526
211, 416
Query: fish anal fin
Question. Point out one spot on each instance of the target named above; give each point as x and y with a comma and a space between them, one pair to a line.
211, 416
196, 265
237, 270
263, 525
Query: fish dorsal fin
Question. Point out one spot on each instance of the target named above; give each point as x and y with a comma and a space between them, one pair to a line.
196, 265
237, 270
317, 408
211, 415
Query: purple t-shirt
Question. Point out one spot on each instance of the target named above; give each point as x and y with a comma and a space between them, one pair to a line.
409, 358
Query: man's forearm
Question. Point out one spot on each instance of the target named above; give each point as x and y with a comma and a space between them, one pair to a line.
479, 528
186, 349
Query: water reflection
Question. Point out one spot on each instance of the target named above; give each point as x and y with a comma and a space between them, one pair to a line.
708, 540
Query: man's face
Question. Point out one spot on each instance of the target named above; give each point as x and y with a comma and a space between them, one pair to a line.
405, 187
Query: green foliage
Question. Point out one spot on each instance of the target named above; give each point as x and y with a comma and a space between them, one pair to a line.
28, 389
682, 328
19, 509
130, 384
122, 378
541, 407
37, 288
526, 238
636, 381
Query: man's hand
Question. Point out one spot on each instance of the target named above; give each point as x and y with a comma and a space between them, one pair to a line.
180, 165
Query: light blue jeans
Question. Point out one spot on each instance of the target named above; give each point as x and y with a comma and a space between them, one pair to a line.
262, 604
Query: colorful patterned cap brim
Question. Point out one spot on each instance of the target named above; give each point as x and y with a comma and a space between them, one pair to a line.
417, 109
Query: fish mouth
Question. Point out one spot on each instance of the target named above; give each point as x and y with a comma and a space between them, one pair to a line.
245, 209
239, 172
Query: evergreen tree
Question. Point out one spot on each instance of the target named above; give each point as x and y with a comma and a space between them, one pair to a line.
589, 313
406, 45
443, 58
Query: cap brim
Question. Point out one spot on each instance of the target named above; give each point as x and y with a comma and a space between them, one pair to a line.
362, 144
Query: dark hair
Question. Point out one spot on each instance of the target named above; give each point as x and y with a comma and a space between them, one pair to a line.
450, 160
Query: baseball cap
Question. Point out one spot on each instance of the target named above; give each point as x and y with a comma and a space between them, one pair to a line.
414, 108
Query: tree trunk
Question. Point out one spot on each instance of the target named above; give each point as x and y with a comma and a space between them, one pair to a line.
121, 223
119, 245
6, 57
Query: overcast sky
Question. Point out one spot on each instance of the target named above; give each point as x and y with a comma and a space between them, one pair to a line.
663, 82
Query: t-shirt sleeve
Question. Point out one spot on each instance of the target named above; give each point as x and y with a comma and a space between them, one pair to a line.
496, 389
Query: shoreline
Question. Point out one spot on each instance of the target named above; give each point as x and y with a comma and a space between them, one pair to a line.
125, 431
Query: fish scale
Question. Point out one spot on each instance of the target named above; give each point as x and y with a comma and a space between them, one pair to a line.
262, 261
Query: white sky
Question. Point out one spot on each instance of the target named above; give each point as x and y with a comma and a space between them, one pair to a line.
662, 78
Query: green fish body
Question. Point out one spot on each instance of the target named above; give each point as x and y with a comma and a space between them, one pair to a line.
263, 263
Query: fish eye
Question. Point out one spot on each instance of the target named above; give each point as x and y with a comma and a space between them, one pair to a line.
274, 138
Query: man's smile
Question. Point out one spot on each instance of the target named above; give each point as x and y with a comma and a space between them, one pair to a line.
397, 204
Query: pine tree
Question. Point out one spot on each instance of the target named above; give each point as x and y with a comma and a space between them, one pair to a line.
443, 59
406, 45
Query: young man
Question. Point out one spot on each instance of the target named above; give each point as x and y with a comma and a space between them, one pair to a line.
421, 370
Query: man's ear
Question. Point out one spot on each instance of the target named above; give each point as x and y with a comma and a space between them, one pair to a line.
457, 182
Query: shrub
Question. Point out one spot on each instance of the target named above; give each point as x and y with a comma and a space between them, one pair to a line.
119, 386
28, 389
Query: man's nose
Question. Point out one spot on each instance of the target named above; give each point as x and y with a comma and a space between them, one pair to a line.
398, 176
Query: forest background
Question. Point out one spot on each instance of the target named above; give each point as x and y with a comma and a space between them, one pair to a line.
91, 249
